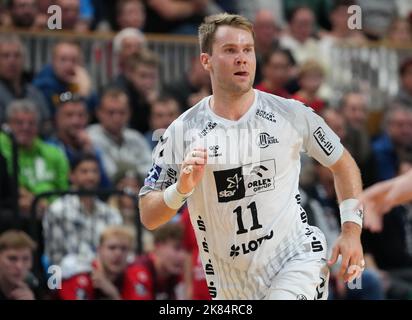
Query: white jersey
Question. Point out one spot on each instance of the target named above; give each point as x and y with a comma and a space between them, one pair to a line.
245, 211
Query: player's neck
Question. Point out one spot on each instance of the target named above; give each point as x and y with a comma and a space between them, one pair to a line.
231, 106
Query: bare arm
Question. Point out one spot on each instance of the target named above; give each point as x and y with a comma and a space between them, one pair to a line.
153, 210
348, 184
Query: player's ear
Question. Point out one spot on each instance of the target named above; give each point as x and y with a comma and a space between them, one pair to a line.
205, 61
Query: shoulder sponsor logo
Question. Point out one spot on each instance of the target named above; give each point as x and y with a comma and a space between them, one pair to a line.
270, 116
323, 141
264, 139
153, 176
209, 127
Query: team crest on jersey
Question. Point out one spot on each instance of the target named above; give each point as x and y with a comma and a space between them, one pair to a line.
264, 139
323, 141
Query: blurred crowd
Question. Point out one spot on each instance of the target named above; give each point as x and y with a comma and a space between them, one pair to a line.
72, 136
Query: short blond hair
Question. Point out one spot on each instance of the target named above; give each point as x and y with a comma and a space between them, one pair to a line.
310, 66
120, 232
16, 239
208, 28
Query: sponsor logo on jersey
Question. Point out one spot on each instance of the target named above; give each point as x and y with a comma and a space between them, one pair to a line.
301, 297
259, 177
215, 151
323, 141
229, 184
209, 127
270, 116
264, 139
171, 178
153, 176
250, 246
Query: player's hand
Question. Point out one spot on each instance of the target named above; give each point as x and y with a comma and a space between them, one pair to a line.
192, 170
348, 245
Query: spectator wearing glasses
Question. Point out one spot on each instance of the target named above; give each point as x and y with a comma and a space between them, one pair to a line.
13, 80
42, 167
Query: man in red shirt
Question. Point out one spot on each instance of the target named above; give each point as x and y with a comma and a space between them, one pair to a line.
111, 276
157, 274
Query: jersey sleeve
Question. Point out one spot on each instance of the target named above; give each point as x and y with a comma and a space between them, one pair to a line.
167, 158
319, 140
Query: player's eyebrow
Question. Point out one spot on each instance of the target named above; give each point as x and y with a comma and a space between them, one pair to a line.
248, 45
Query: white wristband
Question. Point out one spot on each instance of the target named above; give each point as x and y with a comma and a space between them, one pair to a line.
350, 211
173, 198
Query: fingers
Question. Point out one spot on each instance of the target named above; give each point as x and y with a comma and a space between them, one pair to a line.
344, 266
334, 257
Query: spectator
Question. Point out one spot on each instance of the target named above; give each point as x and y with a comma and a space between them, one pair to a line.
16, 259
73, 224
130, 14
13, 81
163, 112
127, 206
404, 96
71, 136
376, 17
109, 276
126, 43
123, 149
353, 108
6, 197
399, 32
395, 139
390, 248
158, 271
310, 78
25, 14
192, 87
140, 82
276, 71
71, 19
266, 38
41, 167
64, 74
174, 16
298, 37
340, 31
